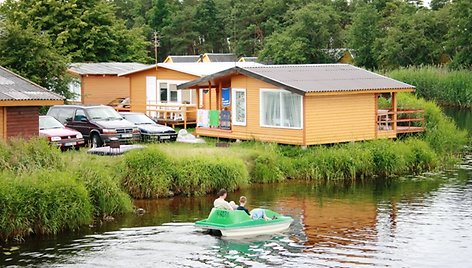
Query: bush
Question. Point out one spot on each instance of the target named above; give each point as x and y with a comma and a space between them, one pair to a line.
205, 173
148, 173
21, 155
43, 202
103, 186
266, 169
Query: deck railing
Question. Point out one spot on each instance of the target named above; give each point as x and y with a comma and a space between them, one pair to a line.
172, 113
407, 120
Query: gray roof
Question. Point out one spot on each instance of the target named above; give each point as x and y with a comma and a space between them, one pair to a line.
107, 68
303, 79
222, 57
184, 58
250, 59
15, 87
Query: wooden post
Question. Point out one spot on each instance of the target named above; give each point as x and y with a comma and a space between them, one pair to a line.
376, 118
394, 104
209, 92
198, 98
218, 97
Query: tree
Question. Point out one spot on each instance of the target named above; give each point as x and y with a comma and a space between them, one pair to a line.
460, 33
363, 34
84, 30
313, 29
31, 54
208, 24
438, 4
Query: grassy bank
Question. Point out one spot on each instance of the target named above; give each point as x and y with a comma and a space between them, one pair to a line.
44, 191
452, 88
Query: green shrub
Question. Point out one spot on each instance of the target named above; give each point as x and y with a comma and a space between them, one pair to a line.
422, 157
441, 132
148, 173
43, 202
197, 175
21, 155
266, 169
103, 186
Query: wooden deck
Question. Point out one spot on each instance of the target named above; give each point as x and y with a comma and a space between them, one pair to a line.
403, 121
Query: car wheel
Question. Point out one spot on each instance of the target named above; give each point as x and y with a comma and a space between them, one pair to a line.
95, 141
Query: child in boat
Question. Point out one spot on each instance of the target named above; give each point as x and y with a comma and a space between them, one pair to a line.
220, 202
242, 203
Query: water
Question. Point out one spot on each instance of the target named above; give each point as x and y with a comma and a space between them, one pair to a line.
422, 221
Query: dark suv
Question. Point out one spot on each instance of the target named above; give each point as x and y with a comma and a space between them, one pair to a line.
98, 124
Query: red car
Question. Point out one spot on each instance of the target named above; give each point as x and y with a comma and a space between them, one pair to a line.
59, 135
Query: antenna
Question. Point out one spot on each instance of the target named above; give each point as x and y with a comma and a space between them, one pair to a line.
157, 44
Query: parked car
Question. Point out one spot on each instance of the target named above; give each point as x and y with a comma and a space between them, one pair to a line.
150, 130
98, 124
120, 104
59, 135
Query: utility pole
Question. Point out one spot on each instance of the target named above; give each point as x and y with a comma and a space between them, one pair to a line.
157, 44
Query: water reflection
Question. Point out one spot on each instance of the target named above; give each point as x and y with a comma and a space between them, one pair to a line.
410, 222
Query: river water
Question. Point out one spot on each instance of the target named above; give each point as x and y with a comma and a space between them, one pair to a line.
420, 221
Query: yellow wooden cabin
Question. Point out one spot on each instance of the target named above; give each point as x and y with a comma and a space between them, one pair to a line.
218, 57
20, 100
99, 83
181, 58
153, 90
300, 104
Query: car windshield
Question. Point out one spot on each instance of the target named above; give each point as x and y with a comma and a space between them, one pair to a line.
139, 119
48, 122
103, 113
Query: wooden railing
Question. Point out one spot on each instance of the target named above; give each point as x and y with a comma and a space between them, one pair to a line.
407, 120
172, 113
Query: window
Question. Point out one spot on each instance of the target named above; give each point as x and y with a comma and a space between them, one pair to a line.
280, 108
239, 106
173, 92
163, 92
79, 115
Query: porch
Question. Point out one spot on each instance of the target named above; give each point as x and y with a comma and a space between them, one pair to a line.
172, 114
391, 122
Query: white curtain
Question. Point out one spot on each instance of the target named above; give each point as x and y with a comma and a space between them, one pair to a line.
291, 108
271, 108
281, 108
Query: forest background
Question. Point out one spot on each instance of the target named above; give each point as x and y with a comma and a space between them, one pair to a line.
40, 38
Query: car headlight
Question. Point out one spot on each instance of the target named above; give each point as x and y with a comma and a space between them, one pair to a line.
109, 131
79, 136
55, 138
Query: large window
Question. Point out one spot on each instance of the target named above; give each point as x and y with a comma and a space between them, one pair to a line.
239, 106
280, 108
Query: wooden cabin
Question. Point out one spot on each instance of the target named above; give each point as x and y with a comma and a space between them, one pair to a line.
218, 57
341, 55
20, 100
153, 90
181, 58
247, 59
99, 83
301, 104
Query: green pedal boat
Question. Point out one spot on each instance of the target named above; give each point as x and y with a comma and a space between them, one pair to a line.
237, 223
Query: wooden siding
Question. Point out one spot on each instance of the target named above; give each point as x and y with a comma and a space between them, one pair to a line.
138, 85
103, 89
340, 118
22, 122
253, 130
3, 121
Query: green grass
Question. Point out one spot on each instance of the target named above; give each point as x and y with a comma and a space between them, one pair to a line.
43, 202
446, 87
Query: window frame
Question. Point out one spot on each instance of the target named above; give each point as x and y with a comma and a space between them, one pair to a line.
233, 107
280, 91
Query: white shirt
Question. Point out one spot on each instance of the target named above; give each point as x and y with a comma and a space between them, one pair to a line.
220, 203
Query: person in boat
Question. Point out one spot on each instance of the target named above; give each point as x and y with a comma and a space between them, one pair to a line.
220, 202
242, 203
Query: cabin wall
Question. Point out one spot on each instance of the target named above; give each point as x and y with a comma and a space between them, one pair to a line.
253, 130
103, 89
3, 121
22, 121
340, 118
138, 85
